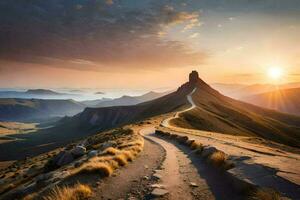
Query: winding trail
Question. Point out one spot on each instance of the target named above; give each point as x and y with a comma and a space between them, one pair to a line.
185, 176
166, 122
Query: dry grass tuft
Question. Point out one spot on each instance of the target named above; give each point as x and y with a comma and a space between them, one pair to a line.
189, 142
77, 192
265, 194
111, 151
196, 145
128, 155
121, 159
217, 158
104, 169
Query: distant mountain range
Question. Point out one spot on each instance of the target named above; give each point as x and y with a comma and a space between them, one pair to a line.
35, 93
131, 100
20, 109
37, 109
240, 91
284, 100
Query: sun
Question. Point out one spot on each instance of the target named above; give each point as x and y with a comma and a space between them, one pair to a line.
275, 72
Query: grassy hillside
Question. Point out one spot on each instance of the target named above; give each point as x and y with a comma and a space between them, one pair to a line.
219, 113
284, 100
32, 109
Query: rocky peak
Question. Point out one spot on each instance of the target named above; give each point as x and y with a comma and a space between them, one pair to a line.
193, 77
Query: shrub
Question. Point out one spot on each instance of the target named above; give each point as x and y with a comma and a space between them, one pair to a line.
196, 145
217, 158
128, 155
189, 142
111, 151
77, 192
104, 169
121, 159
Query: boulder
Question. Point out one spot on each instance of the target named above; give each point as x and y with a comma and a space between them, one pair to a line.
78, 151
92, 153
66, 158
207, 151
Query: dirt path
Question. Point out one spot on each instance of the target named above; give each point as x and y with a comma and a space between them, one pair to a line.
134, 180
185, 176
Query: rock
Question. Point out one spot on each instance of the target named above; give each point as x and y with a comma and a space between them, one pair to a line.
92, 153
146, 166
66, 158
146, 177
193, 184
107, 145
78, 151
161, 186
193, 77
158, 176
157, 192
207, 151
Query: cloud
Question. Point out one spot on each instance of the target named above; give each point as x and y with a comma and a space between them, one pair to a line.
93, 34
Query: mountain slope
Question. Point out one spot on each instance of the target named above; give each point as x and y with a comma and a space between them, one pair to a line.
92, 119
287, 100
131, 100
33, 109
215, 112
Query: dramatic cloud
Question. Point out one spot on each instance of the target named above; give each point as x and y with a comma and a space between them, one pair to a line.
94, 34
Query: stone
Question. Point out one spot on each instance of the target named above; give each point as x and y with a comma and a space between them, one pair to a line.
193, 184
207, 151
157, 192
158, 186
66, 158
78, 151
146, 177
158, 176
193, 77
92, 153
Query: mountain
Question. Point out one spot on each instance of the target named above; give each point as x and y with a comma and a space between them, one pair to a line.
218, 113
36, 94
240, 91
214, 112
35, 109
131, 100
94, 103
95, 119
284, 100
42, 92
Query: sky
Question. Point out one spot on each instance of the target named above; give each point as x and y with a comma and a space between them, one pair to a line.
147, 44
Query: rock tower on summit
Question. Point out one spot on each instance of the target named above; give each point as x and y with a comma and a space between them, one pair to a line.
193, 77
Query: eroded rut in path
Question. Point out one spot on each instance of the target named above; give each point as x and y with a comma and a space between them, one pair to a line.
185, 176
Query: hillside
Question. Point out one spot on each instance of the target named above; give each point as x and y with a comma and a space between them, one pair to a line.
216, 112
95, 119
131, 100
283, 100
32, 109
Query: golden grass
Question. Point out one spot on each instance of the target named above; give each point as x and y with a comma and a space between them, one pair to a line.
217, 158
102, 168
77, 192
196, 145
128, 155
111, 151
121, 159
265, 194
